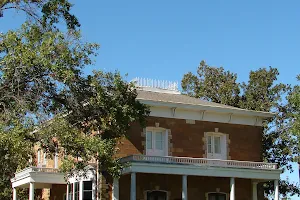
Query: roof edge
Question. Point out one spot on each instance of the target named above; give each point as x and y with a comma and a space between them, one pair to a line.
202, 107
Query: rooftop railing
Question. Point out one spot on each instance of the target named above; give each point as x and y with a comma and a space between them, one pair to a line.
200, 162
153, 83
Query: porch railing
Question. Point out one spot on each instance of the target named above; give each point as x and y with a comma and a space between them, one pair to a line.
35, 169
200, 162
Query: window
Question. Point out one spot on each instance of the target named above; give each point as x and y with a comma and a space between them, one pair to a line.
216, 146
70, 191
39, 156
76, 192
209, 143
216, 196
87, 190
45, 158
156, 195
156, 142
159, 141
149, 140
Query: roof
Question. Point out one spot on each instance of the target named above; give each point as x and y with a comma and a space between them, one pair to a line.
182, 100
176, 98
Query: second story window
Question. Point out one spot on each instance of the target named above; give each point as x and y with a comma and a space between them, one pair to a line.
216, 147
156, 142
39, 157
45, 158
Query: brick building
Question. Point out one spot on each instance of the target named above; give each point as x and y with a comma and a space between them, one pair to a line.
190, 149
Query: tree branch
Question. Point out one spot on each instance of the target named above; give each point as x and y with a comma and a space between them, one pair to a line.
23, 9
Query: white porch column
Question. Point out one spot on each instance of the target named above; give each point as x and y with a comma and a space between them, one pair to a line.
116, 189
73, 193
14, 193
254, 190
184, 188
31, 191
232, 189
67, 193
133, 187
81, 190
276, 189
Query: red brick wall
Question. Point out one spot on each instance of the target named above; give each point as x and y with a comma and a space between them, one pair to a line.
57, 192
245, 141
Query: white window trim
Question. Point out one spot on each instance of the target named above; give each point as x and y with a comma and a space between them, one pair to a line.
164, 130
207, 193
224, 136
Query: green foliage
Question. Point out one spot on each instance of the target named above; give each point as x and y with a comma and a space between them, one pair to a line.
15, 152
46, 100
37, 65
47, 13
100, 111
294, 123
208, 80
260, 93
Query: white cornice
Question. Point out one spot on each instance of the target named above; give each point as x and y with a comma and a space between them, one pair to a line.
177, 169
215, 108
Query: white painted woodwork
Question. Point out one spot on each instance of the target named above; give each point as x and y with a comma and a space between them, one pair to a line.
81, 190
254, 190
156, 85
184, 188
116, 189
83, 176
38, 156
212, 114
156, 142
56, 160
216, 145
201, 162
45, 159
68, 191
39, 175
73, 193
163, 165
31, 191
276, 189
232, 188
133, 186
14, 193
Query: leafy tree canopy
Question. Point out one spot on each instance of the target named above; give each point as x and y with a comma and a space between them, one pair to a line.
46, 99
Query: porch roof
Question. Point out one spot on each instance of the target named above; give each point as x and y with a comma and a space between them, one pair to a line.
201, 167
42, 177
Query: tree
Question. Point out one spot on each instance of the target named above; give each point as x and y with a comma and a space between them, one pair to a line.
14, 154
294, 122
46, 99
209, 80
260, 93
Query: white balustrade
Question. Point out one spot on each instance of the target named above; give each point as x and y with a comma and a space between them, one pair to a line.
199, 162
35, 169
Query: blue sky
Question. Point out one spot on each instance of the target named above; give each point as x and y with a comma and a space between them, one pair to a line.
165, 39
